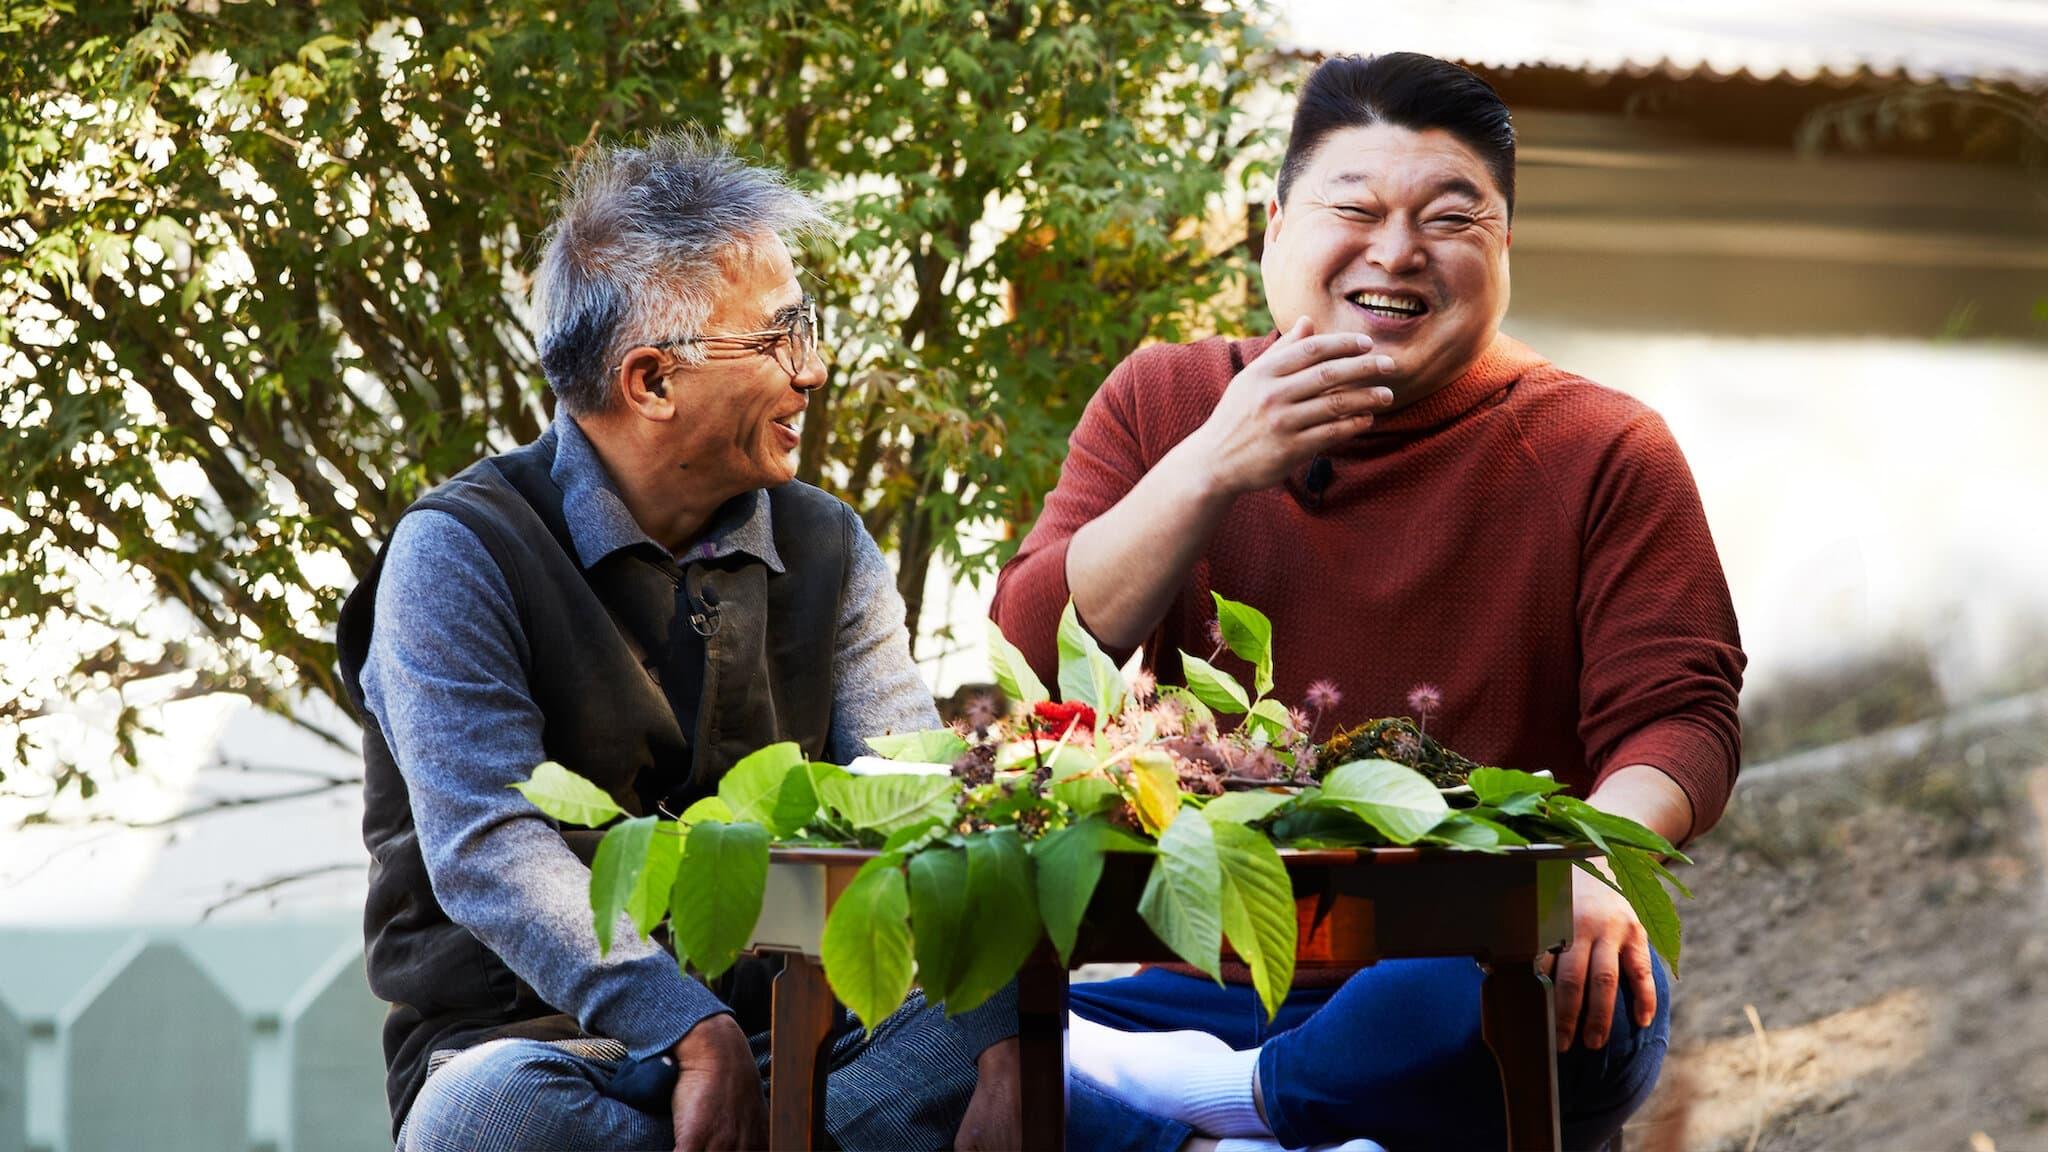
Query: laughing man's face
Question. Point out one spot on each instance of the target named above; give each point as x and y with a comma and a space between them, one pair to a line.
1398, 234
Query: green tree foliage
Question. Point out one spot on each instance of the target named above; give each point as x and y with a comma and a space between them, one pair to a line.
264, 268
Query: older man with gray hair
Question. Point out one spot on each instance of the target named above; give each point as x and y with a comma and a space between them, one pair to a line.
644, 594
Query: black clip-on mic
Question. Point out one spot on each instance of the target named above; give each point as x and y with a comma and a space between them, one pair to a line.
1317, 480
704, 611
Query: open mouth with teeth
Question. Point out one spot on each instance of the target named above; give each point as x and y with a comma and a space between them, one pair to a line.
1393, 306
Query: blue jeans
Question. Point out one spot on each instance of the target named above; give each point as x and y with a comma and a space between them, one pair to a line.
1394, 1054
905, 1087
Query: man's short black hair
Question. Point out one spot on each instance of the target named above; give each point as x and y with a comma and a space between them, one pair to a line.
1408, 90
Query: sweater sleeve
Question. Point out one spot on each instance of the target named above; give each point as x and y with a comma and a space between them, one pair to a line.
1662, 660
1104, 462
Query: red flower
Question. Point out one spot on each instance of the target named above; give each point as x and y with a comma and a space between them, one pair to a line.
1060, 714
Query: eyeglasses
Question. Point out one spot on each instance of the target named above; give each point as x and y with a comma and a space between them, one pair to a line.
791, 343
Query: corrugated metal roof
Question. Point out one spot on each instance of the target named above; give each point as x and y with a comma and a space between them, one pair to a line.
1953, 41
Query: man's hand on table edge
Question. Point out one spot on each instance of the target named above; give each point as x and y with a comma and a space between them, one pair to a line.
995, 1115
717, 1101
1609, 944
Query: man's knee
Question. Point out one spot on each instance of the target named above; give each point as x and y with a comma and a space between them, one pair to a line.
495, 1095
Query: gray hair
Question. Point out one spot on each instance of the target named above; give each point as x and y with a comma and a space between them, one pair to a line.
640, 249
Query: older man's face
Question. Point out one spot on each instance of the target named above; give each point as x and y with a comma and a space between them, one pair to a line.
1400, 235
737, 416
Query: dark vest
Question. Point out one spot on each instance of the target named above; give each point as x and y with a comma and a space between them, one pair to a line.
605, 649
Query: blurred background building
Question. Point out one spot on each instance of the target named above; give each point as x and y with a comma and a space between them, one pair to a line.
1813, 235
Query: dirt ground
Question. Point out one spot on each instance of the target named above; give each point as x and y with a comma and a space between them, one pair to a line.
1888, 925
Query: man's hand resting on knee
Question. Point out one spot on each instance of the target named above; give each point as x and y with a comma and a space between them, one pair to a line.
717, 1102
995, 1117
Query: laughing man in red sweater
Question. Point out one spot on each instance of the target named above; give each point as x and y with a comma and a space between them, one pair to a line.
1412, 496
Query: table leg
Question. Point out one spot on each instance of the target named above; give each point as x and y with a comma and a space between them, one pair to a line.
803, 1016
1042, 1054
1519, 1020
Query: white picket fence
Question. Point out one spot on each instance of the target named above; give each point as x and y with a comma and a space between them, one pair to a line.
260, 1037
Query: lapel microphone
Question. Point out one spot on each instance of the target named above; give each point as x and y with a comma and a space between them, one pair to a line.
1317, 480
703, 605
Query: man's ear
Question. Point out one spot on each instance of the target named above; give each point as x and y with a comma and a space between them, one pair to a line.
1272, 221
642, 386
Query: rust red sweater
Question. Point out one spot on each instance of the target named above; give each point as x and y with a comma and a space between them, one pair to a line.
1529, 542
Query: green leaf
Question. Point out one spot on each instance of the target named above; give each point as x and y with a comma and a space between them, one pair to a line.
1270, 716
716, 900
1085, 795
707, 808
1069, 865
615, 872
1618, 829
1460, 830
938, 746
1002, 910
938, 918
1183, 899
1087, 674
771, 788
567, 797
1503, 835
1258, 910
1214, 687
1394, 798
1652, 904
1494, 786
1249, 636
1198, 712
1013, 673
866, 945
1244, 807
1155, 789
913, 837
885, 804
650, 899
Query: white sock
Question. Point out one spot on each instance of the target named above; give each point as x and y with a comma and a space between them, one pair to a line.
1191, 1077
1268, 1144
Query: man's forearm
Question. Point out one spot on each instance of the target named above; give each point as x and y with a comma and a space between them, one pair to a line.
1125, 566
1646, 795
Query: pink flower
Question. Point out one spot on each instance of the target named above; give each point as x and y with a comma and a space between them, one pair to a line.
1300, 721
1216, 633
1144, 685
1323, 695
1424, 700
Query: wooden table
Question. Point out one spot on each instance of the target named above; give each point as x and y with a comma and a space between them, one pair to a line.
1503, 910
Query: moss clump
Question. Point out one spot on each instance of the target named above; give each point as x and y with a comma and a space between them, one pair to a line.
1397, 738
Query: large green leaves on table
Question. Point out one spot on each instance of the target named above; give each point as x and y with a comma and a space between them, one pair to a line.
973, 916
1249, 636
716, 899
1631, 851
1087, 674
1013, 673
885, 804
935, 746
565, 796
1183, 898
772, 788
1069, 866
1396, 800
615, 874
1212, 686
1258, 909
1002, 917
866, 946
